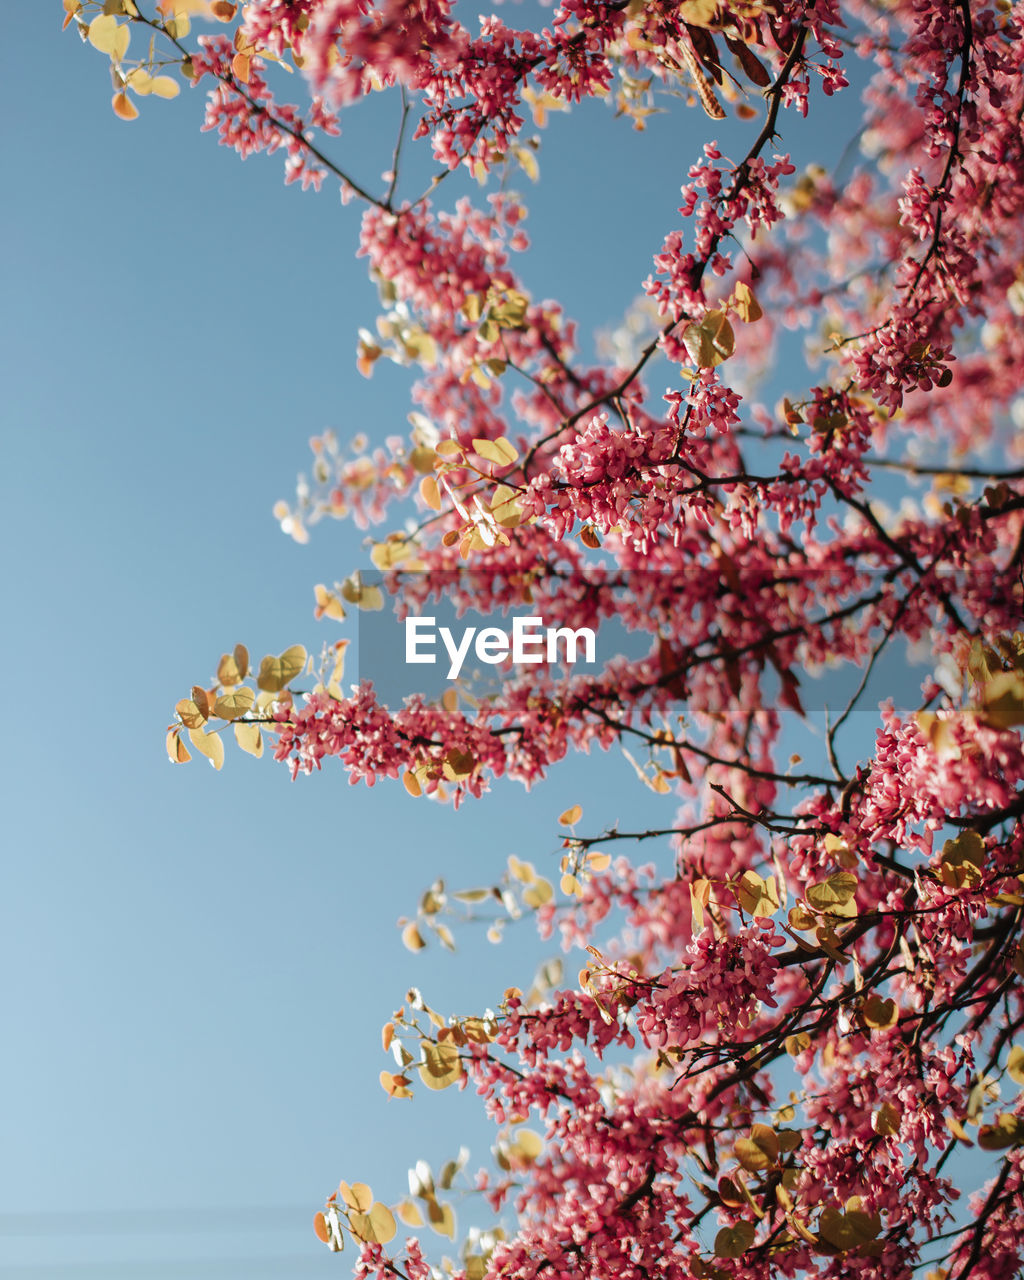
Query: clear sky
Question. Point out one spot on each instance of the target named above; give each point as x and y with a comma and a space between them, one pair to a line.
196, 966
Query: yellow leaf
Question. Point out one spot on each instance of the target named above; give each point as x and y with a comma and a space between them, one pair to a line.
458, 764
412, 783
835, 895
886, 1120
103, 33
363, 596
241, 657
320, 1227
442, 1219
698, 13
164, 87
539, 893
192, 716
878, 1014
410, 1214
700, 895
124, 108
228, 675
395, 1086
412, 938
429, 493
571, 816
760, 1150
441, 1065
1002, 700
528, 1144
209, 744
758, 897
327, 604
177, 752
963, 860
385, 555
1008, 1131
500, 452
848, 1230
1015, 1065
958, 1131
358, 1196
747, 306
570, 885
528, 162
275, 673
232, 706
710, 341
249, 738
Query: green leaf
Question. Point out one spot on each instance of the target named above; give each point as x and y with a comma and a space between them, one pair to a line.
733, 1242
848, 1230
1008, 1131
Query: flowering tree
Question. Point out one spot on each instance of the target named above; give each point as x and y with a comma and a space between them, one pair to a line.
777, 1058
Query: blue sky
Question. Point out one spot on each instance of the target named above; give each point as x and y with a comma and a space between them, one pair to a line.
198, 965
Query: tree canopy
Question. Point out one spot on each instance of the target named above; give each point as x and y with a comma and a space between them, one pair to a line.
773, 1056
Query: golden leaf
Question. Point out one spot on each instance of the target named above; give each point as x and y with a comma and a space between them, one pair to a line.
395, 1086
886, 1120
232, 706
177, 752
746, 305
1008, 1131
710, 341
441, 1065
363, 596
108, 36
1002, 700
164, 87
570, 885
878, 1013
499, 451
124, 108
249, 738
410, 1214
209, 744
733, 1242
430, 493
835, 895
848, 1230
760, 1150
571, 816
539, 893
412, 938
358, 1196
275, 673
192, 716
